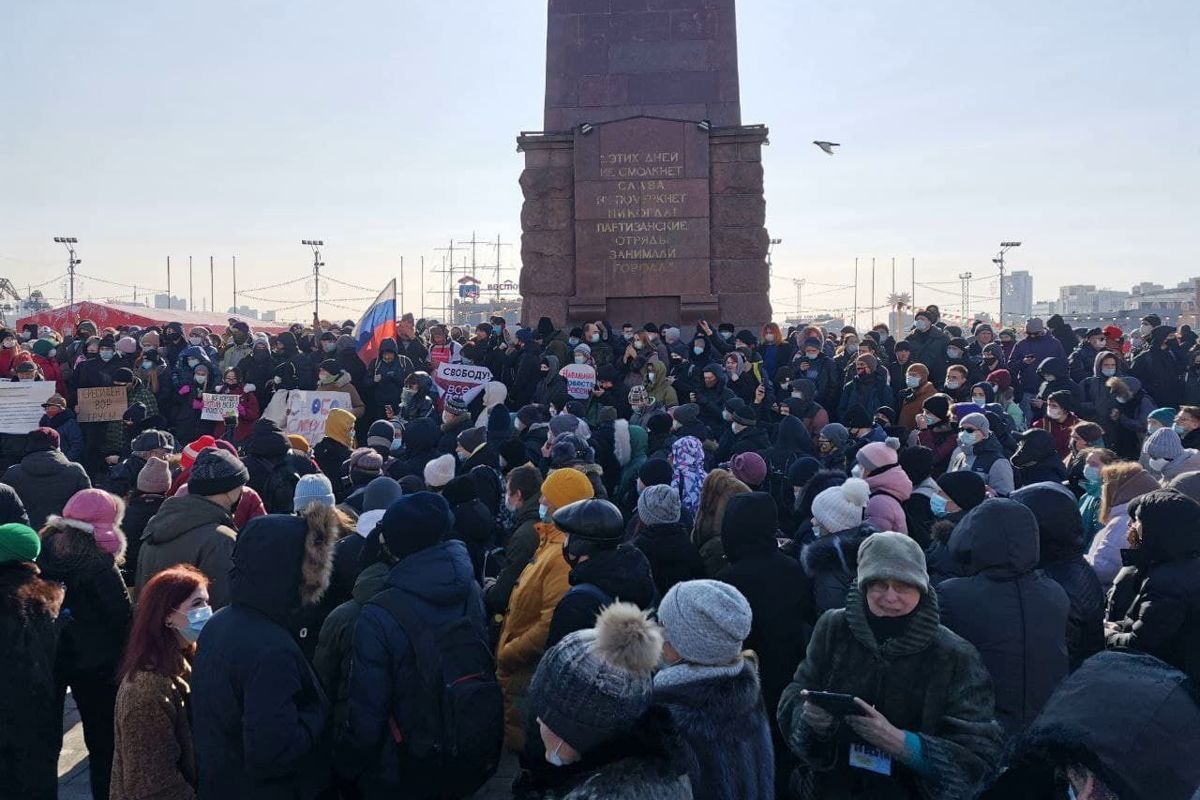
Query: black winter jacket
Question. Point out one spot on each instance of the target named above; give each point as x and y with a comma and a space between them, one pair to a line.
45, 482
621, 574
420, 447
1022, 635
831, 562
672, 556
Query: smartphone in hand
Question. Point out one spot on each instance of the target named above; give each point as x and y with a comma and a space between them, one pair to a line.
836, 703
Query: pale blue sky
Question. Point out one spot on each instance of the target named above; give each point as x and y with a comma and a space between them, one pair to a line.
387, 128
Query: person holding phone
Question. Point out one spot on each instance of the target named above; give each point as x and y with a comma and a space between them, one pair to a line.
912, 709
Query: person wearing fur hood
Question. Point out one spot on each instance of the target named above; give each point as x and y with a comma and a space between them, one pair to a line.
29, 633
831, 559
260, 717
711, 688
591, 700
82, 549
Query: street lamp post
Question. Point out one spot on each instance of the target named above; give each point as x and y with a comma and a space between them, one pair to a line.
316, 244
69, 242
1004, 248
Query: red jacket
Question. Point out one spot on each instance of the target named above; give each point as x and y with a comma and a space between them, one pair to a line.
1061, 431
248, 413
52, 370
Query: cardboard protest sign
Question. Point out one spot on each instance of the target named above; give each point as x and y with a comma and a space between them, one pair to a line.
581, 380
219, 406
461, 380
102, 404
307, 412
21, 404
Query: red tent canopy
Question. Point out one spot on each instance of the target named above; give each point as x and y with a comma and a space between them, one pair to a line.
114, 315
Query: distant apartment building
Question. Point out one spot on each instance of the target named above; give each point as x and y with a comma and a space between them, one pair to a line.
1018, 296
170, 302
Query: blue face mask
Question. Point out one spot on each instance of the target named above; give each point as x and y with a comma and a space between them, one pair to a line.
396, 445
967, 438
1182, 431
106, 355
542, 512
197, 618
937, 504
698, 350
1091, 474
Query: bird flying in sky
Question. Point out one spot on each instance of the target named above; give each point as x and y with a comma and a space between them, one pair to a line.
827, 146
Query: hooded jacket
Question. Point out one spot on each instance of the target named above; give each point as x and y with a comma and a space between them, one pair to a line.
889, 489
1036, 459
929, 348
672, 556
45, 482
1159, 370
260, 716
1163, 578
189, 529
1022, 637
1025, 372
1060, 529
420, 447
621, 574
831, 562
438, 587
712, 401
551, 388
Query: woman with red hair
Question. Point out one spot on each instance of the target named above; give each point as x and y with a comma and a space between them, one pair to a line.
154, 754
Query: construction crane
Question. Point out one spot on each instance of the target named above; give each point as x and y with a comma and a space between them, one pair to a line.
7, 290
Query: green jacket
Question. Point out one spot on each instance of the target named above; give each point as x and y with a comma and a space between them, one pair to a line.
928, 681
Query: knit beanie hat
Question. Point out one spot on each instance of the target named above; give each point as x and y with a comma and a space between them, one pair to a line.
1064, 399
877, 455
42, 347
19, 543
380, 434
126, 345
706, 621
743, 414
596, 683
686, 413
658, 423
655, 471
802, 470
367, 461
659, 505
512, 454
837, 434
967, 489
380, 493
193, 449
98, 512
415, 522
976, 420
1163, 416
471, 439
938, 405
154, 477
1000, 378
565, 486
298, 442
1164, 443
456, 405
892, 556
216, 472
499, 425
917, 463
439, 471
564, 423
749, 468
40, 440
840, 508
314, 488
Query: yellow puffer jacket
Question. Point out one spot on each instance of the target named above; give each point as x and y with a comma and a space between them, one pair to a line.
523, 636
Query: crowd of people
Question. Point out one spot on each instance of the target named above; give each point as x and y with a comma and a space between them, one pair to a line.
945, 563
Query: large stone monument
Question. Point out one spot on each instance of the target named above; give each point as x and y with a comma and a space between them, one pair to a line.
644, 190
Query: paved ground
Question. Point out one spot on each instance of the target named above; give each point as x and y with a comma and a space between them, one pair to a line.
73, 765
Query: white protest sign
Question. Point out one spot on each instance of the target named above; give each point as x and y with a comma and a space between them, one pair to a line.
21, 404
460, 380
581, 379
219, 406
307, 411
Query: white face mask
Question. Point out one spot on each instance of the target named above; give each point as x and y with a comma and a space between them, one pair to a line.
913, 381
952, 384
978, 400
1054, 413
1157, 464
194, 340
769, 338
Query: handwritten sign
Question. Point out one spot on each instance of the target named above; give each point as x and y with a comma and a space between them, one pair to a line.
581, 380
307, 412
102, 404
21, 404
460, 380
219, 406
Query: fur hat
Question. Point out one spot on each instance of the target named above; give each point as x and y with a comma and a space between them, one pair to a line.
154, 477
840, 508
216, 472
596, 683
705, 621
892, 556
100, 514
439, 471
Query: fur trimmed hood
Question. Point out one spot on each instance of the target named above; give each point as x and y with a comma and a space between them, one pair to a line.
837, 552
25, 593
622, 449
708, 701
283, 562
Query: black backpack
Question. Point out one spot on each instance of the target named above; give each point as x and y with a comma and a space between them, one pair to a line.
280, 489
456, 718
779, 486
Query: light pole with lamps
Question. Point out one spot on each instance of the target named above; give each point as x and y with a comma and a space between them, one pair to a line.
69, 242
1004, 248
316, 244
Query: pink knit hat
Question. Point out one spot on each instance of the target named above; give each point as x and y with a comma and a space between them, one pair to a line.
99, 513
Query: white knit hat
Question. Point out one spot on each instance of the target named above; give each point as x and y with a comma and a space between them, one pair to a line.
439, 471
840, 508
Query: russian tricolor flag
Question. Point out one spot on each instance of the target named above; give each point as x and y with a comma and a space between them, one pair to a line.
377, 324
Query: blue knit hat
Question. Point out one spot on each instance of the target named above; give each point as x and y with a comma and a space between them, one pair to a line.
314, 488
